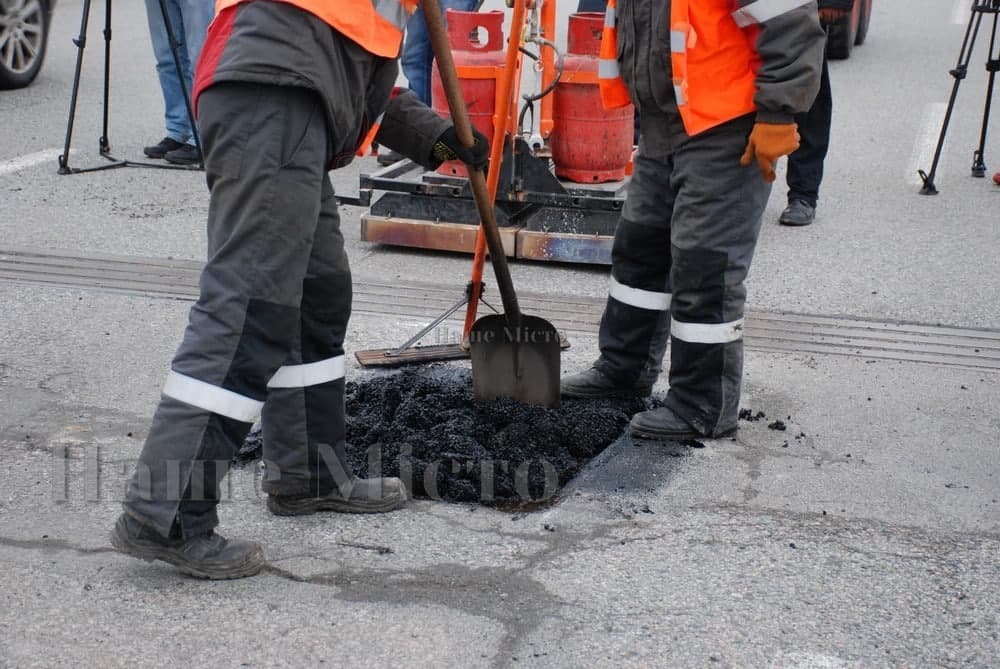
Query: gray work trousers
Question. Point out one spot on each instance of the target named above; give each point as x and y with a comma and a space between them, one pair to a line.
266, 334
684, 245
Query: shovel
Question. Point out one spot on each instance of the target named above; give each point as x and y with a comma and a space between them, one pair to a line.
513, 355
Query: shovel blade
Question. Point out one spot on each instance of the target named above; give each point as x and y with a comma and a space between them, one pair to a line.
521, 363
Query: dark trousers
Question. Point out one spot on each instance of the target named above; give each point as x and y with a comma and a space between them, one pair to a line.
266, 334
805, 166
683, 246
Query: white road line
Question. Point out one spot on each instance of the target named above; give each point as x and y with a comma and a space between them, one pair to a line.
961, 12
926, 141
30, 160
805, 660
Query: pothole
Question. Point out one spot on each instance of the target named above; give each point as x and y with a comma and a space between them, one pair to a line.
424, 426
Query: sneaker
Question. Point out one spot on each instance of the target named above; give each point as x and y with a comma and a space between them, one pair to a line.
594, 384
390, 157
358, 496
663, 424
165, 146
996, 178
186, 154
206, 555
798, 213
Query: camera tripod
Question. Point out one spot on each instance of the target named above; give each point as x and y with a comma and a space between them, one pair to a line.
104, 143
980, 8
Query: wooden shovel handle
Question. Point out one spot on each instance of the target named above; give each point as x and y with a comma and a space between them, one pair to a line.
480, 192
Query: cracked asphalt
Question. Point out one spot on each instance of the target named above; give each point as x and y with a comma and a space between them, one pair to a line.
865, 534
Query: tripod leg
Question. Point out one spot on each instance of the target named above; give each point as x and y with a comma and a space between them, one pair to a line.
104, 144
180, 75
81, 44
959, 73
992, 65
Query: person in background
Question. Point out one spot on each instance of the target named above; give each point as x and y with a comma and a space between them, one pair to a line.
189, 21
805, 166
417, 59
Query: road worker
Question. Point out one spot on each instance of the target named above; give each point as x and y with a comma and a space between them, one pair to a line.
717, 85
284, 91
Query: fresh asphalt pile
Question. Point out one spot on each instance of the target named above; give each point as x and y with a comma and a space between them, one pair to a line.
423, 425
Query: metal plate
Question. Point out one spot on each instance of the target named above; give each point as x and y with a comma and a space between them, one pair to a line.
521, 363
429, 235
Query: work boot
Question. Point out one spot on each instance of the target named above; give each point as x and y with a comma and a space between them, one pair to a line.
798, 213
358, 495
664, 424
205, 555
595, 384
162, 148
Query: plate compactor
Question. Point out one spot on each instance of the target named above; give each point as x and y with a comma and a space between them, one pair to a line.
565, 158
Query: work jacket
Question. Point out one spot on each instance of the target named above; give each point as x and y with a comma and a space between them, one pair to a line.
376, 25
707, 62
277, 43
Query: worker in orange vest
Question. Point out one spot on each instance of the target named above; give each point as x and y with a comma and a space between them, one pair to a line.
717, 85
285, 90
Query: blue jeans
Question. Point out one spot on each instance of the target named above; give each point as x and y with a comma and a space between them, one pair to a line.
417, 57
189, 21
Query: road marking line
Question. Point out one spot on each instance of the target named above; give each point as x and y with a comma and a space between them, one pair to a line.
926, 141
30, 160
804, 660
961, 12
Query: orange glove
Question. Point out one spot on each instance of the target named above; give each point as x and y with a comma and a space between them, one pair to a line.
767, 143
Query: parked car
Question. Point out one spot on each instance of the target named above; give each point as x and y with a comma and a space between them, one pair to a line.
844, 34
24, 36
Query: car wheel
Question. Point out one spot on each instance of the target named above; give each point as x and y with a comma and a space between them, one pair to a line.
865, 15
840, 35
23, 36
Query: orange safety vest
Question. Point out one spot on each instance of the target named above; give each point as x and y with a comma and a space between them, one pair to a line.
376, 25
712, 57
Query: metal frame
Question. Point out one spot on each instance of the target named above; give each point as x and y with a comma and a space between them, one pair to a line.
547, 219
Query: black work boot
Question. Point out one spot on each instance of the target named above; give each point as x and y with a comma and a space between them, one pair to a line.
378, 495
662, 423
203, 555
595, 384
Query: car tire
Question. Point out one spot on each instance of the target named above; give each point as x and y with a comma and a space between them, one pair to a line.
24, 33
840, 36
864, 17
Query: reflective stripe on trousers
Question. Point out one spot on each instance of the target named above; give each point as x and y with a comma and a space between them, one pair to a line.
688, 229
266, 334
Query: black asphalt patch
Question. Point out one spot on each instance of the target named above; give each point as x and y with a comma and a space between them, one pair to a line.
423, 425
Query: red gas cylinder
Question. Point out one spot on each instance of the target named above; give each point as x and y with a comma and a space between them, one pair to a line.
589, 144
478, 63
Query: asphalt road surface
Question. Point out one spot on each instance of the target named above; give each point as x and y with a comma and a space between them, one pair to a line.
866, 534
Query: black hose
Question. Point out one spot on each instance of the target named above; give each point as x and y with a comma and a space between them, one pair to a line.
559, 69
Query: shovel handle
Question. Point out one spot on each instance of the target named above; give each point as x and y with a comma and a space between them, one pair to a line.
477, 180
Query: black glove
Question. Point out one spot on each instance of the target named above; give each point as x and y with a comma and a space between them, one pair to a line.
447, 147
